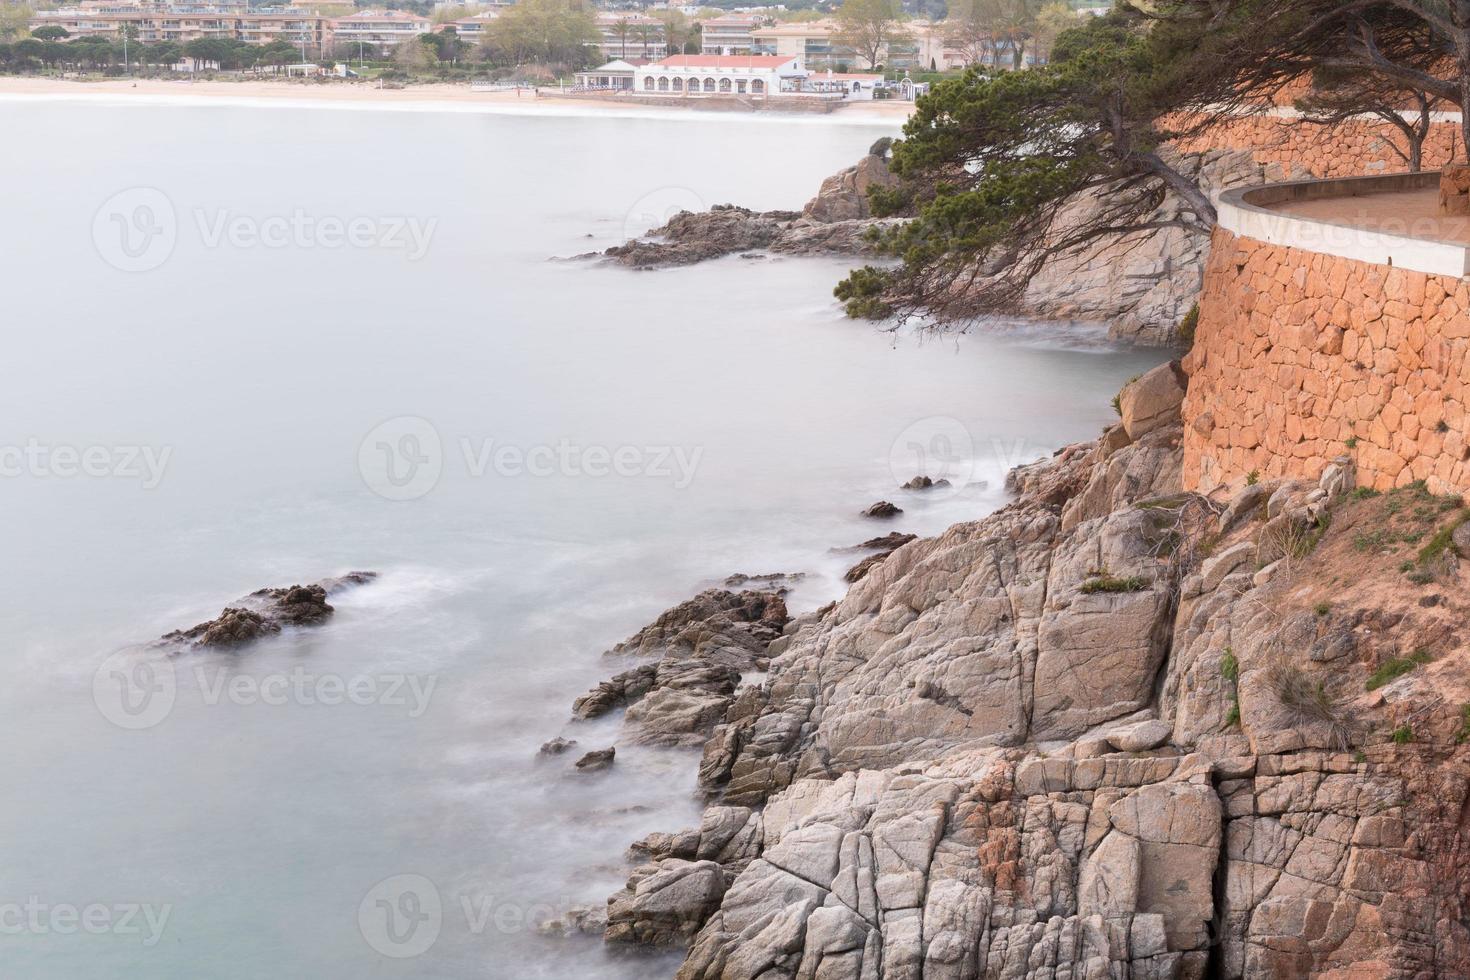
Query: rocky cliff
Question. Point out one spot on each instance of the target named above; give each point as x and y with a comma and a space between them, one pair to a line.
1112, 730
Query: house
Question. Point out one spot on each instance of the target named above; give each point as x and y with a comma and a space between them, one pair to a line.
728, 75
615, 76
728, 35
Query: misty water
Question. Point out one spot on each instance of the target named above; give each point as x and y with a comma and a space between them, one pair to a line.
205, 388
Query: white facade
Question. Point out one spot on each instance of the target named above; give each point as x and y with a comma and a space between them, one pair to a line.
728, 75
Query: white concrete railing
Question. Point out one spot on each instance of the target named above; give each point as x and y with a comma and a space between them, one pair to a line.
1247, 211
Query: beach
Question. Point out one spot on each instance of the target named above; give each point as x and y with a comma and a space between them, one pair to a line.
427, 96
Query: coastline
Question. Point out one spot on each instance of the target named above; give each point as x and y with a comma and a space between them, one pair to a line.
429, 97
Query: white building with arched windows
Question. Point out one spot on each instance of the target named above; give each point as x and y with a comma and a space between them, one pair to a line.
757, 76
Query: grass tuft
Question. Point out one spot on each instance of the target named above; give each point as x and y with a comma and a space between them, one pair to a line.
1395, 667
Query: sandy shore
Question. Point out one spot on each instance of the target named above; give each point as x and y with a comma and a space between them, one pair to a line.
368, 94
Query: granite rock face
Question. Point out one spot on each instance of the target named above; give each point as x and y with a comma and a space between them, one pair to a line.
1092, 736
1142, 284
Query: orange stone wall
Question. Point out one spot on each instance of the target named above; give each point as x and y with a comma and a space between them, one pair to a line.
1301, 356
1299, 150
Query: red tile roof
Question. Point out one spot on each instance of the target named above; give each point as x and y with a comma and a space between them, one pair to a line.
726, 61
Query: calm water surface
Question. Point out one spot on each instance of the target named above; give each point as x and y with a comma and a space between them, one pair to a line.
273, 381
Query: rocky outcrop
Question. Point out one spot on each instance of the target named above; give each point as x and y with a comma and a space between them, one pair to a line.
838, 221
697, 652
265, 613
1112, 730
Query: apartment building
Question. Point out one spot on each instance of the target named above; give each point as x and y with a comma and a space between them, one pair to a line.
182, 24
382, 28
628, 35
728, 35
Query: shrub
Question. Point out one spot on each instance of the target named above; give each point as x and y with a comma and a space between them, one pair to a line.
1351, 442
1402, 735
1394, 668
1295, 540
1112, 583
1304, 702
1463, 734
1188, 325
1322, 608
1364, 493
1252, 478
1230, 670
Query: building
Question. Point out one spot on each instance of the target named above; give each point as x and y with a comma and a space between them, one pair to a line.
728, 35
628, 35
384, 29
811, 42
182, 24
472, 29
615, 76
728, 75
850, 85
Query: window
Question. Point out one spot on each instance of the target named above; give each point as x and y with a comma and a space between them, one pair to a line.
648, 84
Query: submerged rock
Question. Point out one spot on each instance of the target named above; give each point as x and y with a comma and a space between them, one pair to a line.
557, 746
882, 509
924, 483
266, 612
597, 760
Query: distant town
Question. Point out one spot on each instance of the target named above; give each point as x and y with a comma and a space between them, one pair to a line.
854, 50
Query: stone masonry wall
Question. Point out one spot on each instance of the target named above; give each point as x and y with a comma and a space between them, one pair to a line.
1300, 357
1292, 149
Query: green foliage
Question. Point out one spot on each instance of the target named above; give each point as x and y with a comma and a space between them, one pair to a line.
1229, 666
988, 159
861, 294
1394, 668
1252, 478
1402, 735
1365, 493
1351, 442
1463, 734
1112, 583
1322, 608
1188, 326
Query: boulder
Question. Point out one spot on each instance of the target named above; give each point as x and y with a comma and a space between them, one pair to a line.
665, 904
1152, 401
844, 195
1140, 736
